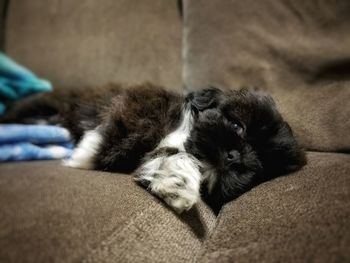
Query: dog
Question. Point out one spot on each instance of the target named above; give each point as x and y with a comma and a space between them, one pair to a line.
210, 144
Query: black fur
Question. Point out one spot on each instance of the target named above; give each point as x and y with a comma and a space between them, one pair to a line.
240, 134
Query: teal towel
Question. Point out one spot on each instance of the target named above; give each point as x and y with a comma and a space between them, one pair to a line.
17, 82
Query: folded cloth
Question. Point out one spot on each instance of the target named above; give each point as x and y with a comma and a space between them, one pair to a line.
17, 82
34, 142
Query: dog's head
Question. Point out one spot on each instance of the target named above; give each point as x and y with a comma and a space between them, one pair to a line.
241, 139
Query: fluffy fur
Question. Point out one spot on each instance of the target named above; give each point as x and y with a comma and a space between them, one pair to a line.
211, 143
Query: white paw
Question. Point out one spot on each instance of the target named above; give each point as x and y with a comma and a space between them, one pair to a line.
176, 179
84, 154
177, 193
183, 200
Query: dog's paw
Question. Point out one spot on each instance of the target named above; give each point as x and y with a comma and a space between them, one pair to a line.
84, 154
181, 203
175, 191
175, 179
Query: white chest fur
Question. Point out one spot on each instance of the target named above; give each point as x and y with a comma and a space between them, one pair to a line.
177, 138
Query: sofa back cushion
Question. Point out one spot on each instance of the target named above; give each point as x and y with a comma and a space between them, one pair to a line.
75, 43
299, 51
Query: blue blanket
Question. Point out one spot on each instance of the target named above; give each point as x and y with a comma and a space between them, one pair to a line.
17, 82
33, 142
27, 142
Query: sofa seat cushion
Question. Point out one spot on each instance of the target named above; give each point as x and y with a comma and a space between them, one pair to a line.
51, 213
303, 217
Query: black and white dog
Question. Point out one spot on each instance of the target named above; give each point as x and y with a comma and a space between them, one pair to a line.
211, 143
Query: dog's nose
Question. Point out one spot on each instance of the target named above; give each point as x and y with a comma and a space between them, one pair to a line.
233, 156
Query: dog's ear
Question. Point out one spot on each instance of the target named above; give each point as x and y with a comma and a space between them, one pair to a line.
204, 99
281, 153
272, 136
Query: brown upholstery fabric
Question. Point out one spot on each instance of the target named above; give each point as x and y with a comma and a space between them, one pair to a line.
78, 43
3, 5
50, 213
299, 51
303, 217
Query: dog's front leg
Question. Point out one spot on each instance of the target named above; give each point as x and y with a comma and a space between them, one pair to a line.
175, 178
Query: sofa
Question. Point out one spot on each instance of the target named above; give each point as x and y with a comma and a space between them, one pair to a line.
298, 51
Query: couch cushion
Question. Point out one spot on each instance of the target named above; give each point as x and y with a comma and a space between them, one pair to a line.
50, 213
304, 217
78, 43
297, 50
3, 8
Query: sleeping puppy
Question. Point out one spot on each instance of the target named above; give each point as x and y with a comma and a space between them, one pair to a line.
210, 143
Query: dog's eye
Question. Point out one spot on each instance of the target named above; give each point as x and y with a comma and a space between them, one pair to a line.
237, 128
